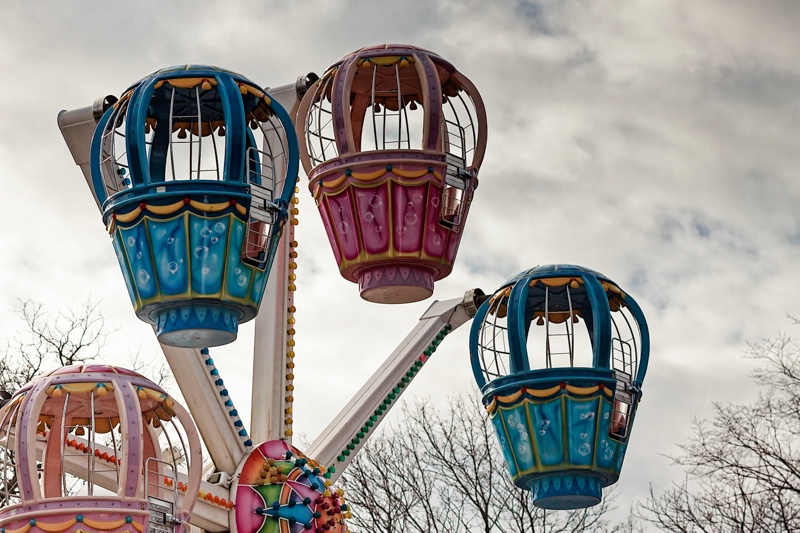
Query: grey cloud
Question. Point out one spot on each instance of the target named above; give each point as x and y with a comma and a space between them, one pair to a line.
654, 142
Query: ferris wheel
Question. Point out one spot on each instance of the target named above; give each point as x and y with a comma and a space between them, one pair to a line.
194, 170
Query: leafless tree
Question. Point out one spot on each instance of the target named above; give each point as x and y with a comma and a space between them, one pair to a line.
60, 338
743, 465
443, 472
48, 340
156, 370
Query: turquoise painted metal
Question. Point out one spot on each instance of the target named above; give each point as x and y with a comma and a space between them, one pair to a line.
194, 168
560, 353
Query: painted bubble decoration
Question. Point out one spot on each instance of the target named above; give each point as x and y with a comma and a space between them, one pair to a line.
97, 448
560, 353
394, 136
194, 167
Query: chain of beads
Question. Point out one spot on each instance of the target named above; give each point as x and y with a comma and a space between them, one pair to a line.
393, 394
290, 320
223, 392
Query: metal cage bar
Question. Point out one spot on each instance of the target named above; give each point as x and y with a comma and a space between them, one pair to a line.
318, 131
496, 367
9, 463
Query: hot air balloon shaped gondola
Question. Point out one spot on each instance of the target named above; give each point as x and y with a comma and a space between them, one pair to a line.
394, 136
560, 353
136, 450
194, 167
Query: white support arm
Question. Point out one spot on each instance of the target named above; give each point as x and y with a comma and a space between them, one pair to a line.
345, 435
290, 95
271, 403
207, 405
268, 403
77, 126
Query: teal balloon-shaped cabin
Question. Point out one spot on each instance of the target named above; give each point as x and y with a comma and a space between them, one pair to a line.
194, 168
560, 353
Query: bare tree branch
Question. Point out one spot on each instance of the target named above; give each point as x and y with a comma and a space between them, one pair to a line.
48, 340
743, 465
442, 471
60, 338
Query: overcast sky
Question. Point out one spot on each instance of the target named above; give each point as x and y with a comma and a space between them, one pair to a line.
656, 142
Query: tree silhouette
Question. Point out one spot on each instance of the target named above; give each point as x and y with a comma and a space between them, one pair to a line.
443, 471
743, 465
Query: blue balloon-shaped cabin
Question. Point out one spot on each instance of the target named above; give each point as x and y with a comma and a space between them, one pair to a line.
195, 167
560, 353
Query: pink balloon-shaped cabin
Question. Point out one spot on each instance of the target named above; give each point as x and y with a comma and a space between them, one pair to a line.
96, 448
394, 136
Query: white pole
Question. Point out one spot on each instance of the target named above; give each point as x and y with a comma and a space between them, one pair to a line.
346, 434
273, 349
269, 397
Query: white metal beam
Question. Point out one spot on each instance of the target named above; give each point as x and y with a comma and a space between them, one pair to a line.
268, 402
345, 431
77, 126
270, 405
221, 437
